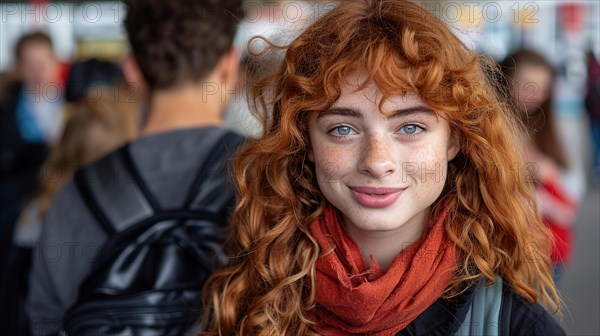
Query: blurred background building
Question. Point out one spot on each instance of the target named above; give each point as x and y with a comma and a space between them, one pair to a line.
566, 32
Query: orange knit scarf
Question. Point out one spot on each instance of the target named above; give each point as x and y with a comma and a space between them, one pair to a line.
353, 300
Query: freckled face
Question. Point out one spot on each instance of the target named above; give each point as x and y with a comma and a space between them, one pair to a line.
381, 171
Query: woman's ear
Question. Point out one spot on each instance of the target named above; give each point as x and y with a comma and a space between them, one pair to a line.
453, 145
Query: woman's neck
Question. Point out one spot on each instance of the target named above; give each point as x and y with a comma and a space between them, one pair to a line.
384, 246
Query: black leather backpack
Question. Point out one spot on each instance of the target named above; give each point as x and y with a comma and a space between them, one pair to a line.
147, 278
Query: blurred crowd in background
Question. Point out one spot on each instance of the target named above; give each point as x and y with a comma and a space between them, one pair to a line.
64, 102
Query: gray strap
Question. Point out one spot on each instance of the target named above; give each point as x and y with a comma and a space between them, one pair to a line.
483, 317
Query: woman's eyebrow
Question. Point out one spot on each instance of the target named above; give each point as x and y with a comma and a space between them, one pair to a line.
341, 111
410, 111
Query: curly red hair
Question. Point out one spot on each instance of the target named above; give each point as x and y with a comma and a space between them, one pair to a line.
493, 216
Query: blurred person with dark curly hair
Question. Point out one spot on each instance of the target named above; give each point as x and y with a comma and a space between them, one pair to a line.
183, 65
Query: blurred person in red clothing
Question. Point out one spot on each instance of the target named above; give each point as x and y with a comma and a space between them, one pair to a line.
532, 79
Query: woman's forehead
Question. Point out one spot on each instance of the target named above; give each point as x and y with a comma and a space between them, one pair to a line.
358, 89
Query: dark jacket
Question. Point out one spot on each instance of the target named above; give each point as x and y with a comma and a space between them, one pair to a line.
518, 317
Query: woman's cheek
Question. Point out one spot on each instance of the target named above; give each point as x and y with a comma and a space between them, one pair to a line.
430, 167
330, 164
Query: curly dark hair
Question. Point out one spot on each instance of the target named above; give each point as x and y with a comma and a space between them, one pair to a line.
180, 41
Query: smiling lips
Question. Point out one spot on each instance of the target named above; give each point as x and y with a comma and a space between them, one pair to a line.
373, 197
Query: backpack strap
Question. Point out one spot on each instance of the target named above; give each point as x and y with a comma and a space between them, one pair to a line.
483, 317
81, 182
224, 144
132, 169
114, 192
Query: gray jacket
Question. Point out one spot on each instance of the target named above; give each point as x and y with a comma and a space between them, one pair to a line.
71, 237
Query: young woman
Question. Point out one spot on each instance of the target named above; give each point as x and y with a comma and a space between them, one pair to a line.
532, 82
385, 196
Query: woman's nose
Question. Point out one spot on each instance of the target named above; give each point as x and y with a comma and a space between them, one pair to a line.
377, 157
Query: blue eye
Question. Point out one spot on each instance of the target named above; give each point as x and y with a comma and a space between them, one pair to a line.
342, 130
411, 129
